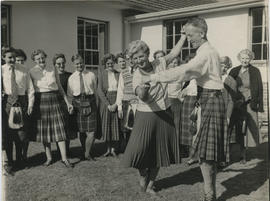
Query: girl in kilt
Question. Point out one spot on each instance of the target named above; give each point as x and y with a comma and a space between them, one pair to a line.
210, 144
81, 90
153, 142
48, 116
107, 92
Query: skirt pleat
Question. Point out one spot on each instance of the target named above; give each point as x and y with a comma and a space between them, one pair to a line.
212, 141
48, 118
153, 141
110, 120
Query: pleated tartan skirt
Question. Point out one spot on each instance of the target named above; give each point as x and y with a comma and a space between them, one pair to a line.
48, 124
110, 121
153, 141
212, 141
176, 109
187, 107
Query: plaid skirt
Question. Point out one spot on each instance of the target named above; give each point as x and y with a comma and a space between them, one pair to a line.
187, 107
176, 109
48, 124
86, 122
110, 121
153, 141
212, 141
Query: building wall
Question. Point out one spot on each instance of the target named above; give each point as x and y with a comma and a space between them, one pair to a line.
52, 26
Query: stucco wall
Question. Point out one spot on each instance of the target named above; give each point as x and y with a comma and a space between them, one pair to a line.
52, 26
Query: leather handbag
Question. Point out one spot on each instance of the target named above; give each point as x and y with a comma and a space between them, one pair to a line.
85, 107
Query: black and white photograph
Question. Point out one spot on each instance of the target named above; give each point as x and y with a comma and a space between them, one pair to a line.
135, 100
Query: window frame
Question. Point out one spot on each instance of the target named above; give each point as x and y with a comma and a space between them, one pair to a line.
8, 24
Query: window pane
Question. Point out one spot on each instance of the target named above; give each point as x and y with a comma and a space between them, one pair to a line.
88, 57
169, 42
94, 43
80, 27
4, 26
257, 35
178, 26
88, 28
265, 52
95, 58
193, 51
185, 53
186, 43
80, 42
257, 49
177, 38
94, 29
81, 52
257, 16
88, 42
169, 27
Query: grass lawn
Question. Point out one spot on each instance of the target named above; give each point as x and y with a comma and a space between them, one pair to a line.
106, 180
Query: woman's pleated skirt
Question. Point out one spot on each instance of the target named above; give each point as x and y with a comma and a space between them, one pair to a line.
212, 142
153, 141
176, 109
48, 118
110, 120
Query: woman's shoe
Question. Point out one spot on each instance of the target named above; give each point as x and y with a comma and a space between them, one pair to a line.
191, 162
113, 153
47, 163
67, 164
151, 191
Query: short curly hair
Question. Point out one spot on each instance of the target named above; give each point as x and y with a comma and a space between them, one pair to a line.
37, 52
57, 56
120, 55
157, 52
106, 58
75, 57
20, 53
136, 46
246, 52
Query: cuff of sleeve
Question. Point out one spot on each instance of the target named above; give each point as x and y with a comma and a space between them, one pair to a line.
154, 78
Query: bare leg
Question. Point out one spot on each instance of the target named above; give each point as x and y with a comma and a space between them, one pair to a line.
152, 174
208, 169
90, 138
143, 179
47, 148
109, 147
62, 147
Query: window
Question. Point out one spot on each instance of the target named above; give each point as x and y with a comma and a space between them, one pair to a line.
5, 25
173, 30
92, 41
259, 33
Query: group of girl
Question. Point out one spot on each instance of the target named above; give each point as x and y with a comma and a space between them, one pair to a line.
162, 95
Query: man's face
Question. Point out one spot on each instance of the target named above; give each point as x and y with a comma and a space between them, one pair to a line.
9, 58
194, 35
78, 64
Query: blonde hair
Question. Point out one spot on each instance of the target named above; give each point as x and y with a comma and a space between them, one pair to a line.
246, 52
136, 46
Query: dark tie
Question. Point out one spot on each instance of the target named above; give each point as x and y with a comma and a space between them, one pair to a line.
82, 90
14, 88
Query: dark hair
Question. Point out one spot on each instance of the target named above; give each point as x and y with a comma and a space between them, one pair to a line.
6, 50
20, 53
119, 55
199, 23
107, 57
157, 52
75, 57
57, 56
37, 52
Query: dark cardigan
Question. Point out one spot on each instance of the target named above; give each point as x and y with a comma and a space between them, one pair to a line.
103, 81
256, 86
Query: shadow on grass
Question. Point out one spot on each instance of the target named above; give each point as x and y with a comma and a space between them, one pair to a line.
188, 177
248, 180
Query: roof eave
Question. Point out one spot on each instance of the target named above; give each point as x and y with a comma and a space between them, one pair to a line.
194, 10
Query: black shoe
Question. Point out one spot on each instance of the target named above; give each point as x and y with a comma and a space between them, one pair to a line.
67, 164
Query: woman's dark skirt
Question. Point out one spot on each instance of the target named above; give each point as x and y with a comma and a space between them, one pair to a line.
86, 122
212, 142
176, 109
153, 141
110, 120
187, 107
48, 118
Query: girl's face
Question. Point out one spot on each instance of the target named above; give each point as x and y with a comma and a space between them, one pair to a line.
20, 60
160, 54
121, 62
78, 64
60, 64
245, 60
109, 64
140, 59
9, 58
40, 60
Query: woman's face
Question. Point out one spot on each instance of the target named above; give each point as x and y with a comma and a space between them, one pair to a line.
160, 54
109, 64
40, 60
174, 63
78, 64
140, 59
60, 64
224, 65
20, 60
121, 62
244, 59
